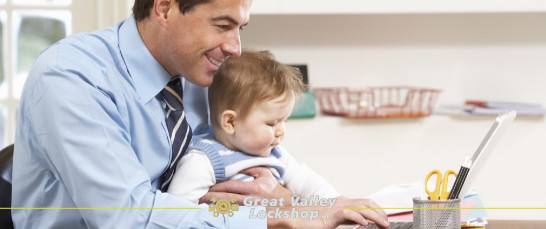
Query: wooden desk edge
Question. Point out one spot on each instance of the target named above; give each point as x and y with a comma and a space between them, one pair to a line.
520, 224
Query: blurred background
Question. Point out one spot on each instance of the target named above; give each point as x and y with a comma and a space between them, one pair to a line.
469, 49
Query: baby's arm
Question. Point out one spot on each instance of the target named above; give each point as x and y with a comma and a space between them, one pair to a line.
193, 177
303, 181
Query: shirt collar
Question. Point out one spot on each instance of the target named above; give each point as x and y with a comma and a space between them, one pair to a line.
148, 75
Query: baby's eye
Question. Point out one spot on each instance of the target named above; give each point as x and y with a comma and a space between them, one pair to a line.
272, 124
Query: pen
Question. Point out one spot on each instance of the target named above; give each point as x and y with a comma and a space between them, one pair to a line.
461, 177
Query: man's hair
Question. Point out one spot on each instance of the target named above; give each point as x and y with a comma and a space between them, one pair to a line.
243, 82
142, 8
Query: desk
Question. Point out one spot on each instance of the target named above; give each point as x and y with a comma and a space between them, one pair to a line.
491, 224
520, 224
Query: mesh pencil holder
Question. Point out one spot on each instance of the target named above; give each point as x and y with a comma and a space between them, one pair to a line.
436, 213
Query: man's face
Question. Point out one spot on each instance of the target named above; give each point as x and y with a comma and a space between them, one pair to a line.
197, 42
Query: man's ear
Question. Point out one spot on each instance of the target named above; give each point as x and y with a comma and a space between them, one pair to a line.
161, 10
227, 121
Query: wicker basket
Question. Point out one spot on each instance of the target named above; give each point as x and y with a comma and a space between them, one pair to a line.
377, 102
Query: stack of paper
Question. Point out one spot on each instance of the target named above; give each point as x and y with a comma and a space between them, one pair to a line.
397, 201
479, 107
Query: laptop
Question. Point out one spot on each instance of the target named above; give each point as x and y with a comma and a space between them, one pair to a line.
482, 153
502, 122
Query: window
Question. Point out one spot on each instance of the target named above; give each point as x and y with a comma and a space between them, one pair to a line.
27, 27
35, 31
42, 2
2, 126
3, 87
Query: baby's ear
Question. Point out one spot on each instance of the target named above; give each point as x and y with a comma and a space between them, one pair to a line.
227, 121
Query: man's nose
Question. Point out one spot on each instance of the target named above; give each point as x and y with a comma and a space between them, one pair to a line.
232, 46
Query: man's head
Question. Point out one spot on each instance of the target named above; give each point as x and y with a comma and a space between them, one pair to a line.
250, 99
192, 37
142, 8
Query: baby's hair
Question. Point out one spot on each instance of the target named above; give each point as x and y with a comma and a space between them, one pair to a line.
245, 81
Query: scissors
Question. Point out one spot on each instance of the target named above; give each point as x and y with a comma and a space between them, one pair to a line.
441, 191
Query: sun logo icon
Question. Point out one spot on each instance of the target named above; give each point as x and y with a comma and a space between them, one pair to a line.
223, 206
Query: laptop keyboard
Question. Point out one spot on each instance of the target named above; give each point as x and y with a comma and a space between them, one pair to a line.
393, 225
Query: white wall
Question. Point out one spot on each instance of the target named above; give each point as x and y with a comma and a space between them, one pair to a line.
468, 56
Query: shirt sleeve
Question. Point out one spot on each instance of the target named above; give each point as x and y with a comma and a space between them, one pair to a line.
303, 181
193, 177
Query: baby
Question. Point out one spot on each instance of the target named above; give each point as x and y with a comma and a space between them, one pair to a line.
250, 100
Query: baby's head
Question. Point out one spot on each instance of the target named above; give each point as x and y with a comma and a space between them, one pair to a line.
250, 98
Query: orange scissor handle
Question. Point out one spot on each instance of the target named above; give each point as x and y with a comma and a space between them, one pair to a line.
440, 192
435, 193
444, 194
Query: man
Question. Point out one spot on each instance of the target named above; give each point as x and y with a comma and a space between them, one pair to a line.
92, 131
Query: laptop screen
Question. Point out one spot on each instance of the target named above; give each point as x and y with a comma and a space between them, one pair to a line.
502, 122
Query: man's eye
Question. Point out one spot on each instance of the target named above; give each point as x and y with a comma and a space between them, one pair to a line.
271, 124
224, 27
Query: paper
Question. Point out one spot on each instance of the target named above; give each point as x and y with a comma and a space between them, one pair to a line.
467, 110
397, 202
504, 105
396, 196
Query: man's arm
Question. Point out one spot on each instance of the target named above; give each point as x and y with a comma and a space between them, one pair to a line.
89, 160
345, 211
265, 186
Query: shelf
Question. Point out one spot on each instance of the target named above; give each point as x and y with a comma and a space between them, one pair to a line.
268, 7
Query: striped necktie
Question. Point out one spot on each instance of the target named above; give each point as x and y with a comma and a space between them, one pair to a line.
179, 130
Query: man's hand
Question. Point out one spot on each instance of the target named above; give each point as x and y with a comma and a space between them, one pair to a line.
360, 211
345, 211
264, 186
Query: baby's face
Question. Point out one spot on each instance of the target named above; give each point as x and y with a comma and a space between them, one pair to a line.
264, 127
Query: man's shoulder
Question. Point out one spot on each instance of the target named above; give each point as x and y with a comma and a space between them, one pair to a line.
95, 47
90, 58
88, 55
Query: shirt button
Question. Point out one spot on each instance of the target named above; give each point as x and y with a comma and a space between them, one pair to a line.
164, 105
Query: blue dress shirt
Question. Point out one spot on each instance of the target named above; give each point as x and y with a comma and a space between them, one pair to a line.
91, 134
